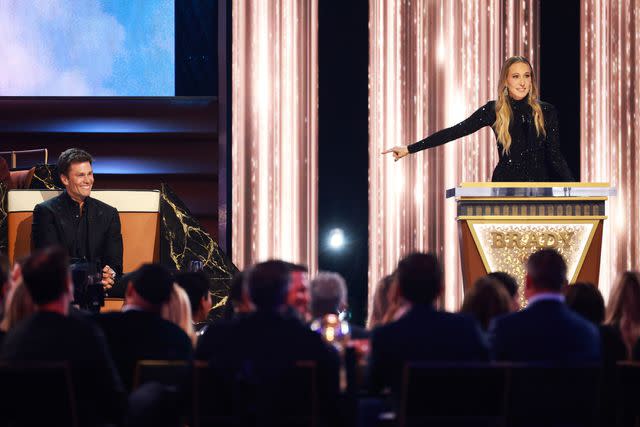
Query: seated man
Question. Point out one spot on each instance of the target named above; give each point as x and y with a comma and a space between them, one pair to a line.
546, 330
139, 332
87, 228
422, 333
52, 335
196, 285
329, 296
262, 346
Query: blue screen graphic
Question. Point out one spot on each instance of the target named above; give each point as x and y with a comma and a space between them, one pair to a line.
87, 48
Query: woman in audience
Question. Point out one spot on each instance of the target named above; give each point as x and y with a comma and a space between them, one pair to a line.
487, 299
623, 310
178, 311
398, 305
381, 299
18, 306
586, 300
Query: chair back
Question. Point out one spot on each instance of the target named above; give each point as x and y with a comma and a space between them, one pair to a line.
167, 372
549, 394
25, 159
37, 394
290, 399
628, 394
452, 394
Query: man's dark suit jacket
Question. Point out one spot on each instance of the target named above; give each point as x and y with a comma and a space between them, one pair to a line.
423, 334
48, 336
138, 335
545, 331
263, 345
53, 225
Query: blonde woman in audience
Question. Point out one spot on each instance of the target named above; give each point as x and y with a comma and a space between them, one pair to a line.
381, 300
178, 311
623, 310
18, 306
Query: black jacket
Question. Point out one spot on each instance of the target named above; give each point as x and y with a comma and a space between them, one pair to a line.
47, 336
53, 224
138, 335
423, 334
545, 331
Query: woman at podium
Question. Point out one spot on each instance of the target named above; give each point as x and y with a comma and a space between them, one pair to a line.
526, 129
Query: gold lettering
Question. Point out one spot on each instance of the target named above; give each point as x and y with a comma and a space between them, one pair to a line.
497, 239
566, 237
552, 240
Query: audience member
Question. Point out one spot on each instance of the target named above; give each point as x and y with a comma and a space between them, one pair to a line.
329, 296
381, 300
398, 305
487, 299
298, 296
586, 300
263, 345
422, 334
5, 284
196, 284
238, 303
139, 332
50, 334
546, 330
19, 306
623, 310
178, 311
510, 284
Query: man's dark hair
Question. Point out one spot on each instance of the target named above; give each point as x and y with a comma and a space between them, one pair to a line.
505, 279
586, 300
45, 273
70, 156
153, 282
196, 284
547, 270
268, 284
419, 278
296, 267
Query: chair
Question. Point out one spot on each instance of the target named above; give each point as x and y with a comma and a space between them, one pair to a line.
452, 394
166, 372
550, 395
288, 399
37, 394
628, 394
24, 159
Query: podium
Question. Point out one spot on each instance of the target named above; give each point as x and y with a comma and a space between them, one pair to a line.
139, 212
500, 224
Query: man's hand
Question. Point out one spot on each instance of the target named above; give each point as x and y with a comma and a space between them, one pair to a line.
108, 277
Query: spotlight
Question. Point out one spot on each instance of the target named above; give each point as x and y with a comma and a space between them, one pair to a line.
336, 239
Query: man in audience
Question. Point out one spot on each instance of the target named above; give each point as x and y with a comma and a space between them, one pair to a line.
546, 330
423, 333
510, 284
262, 346
298, 296
139, 332
86, 227
196, 284
52, 335
329, 296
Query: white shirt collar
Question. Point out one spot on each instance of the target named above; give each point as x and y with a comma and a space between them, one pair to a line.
546, 296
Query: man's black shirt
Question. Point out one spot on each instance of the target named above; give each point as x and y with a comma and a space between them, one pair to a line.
95, 234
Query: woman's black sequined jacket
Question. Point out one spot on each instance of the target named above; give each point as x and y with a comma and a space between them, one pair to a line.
531, 157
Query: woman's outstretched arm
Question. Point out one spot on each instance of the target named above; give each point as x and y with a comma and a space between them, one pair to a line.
483, 116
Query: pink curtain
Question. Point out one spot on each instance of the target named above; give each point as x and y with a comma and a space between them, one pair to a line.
610, 124
275, 131
432, 63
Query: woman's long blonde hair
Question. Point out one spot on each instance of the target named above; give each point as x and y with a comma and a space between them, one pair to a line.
178, 311
503, 108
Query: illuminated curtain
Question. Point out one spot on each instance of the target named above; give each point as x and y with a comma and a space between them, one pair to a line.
275, 131
610, 124
432, 63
